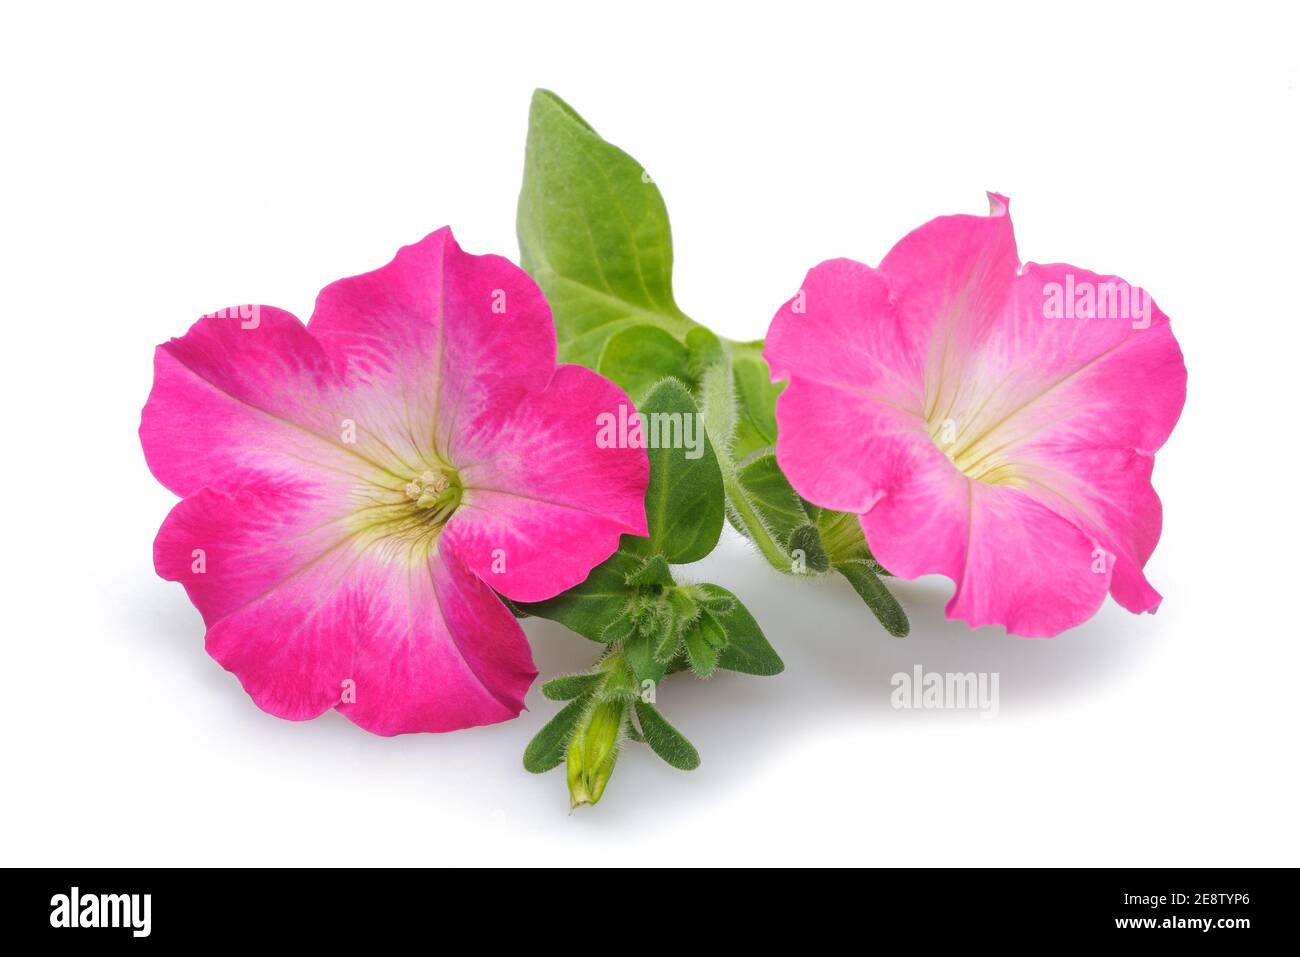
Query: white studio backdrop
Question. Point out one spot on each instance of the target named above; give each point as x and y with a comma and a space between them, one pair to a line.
164, 160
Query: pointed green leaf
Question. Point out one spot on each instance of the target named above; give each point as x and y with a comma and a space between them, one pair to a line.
718, 604
665, 740
770, 491
763, 506
684, 503
702, 654
639, 652
747, 650
639, 356
666, 642
620, 629
589, 607
878, 598
546, 750
709, 627
654, 571
676, 611
568, 687
593, 233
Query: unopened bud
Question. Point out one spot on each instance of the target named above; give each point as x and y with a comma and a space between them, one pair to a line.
593, 749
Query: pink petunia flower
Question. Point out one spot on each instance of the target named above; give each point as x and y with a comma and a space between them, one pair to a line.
355, 489
988, 421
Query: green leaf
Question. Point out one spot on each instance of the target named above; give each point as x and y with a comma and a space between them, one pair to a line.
702, 654
654, 571
639, 356
682, 606
620, 629
593, 233
705, 349
684, 503
665, 740
755, 402
589, 607
764, 507
666, 643
770, 494
713, 632
718, 604
747, 650
878, 598
547, 748
568, 687
639, 652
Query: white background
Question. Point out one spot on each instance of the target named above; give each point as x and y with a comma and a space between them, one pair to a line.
162, 161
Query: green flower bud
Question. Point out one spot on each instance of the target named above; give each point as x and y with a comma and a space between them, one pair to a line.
595, 743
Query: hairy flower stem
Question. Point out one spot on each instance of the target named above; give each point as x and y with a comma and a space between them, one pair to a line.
719, 403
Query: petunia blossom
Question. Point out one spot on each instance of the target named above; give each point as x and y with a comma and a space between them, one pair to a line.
355, 490
989, 421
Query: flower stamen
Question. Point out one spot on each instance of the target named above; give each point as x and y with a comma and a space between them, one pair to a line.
410, 524
433, 490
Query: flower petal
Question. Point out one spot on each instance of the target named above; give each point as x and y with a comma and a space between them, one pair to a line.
951, 278
883, 359
436, 335
544, 504
1083, 405
921, 516
236, 396
296, 608
436, 650
837, 447
1049, 425
994, 542
261, 562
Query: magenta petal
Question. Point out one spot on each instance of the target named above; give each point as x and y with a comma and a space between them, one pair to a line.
234, 396
352, 485
980, 433
882, 360
436, 336
435, 650
841, 449
544, 503
994, 542
264, 564
309, 620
